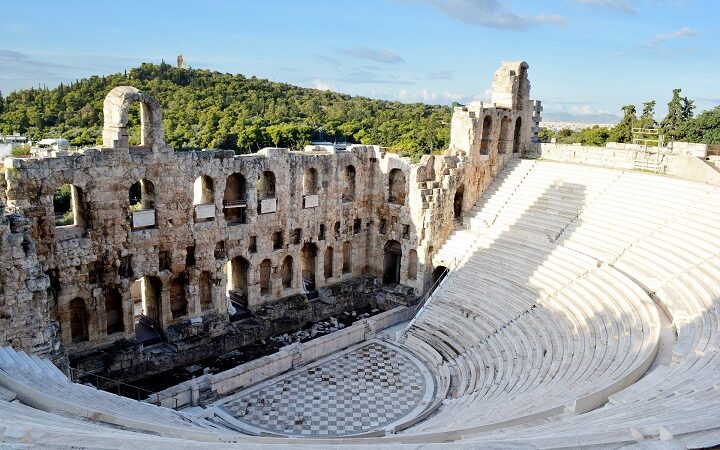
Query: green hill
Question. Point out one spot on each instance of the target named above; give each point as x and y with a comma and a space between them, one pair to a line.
205, 109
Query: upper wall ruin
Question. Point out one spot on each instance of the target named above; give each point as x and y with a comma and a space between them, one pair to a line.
171, 236
115, 118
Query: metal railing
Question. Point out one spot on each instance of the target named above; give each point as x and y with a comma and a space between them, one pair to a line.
76, 375
235, 203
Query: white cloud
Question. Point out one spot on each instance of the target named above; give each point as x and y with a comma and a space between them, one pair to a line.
485, 97
682, 33
452, 96
441, 75
492, 14
323, 86
382, 55
426, 95
586, 110
422, 95
625, 6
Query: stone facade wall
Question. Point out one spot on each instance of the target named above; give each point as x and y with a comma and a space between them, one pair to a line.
26, 310
396, 207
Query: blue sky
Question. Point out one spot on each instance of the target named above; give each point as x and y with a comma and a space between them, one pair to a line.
586, 57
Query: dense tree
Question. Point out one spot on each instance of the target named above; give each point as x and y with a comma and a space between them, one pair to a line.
647, 119
204, 109
545, 134
680, 110
705, 128
622, 132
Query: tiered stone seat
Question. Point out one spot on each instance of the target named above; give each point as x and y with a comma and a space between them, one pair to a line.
24, 425
596, 333
541, 335
40, 384
499, 192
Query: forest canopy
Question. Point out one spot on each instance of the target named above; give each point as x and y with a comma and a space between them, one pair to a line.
206, 109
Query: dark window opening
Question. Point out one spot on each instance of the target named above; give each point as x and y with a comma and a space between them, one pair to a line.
219, 252
277, 238
190, 256
164, 260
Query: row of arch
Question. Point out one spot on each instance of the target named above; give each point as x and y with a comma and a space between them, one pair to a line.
507, 142
145, 292
69, 210
238, 269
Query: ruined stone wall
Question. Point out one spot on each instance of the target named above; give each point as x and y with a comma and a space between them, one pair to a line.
182, 242
27, 316
483, 137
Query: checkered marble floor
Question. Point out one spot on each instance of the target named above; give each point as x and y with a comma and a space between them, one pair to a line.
357, 391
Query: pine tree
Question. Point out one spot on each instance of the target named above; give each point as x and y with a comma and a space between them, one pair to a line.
673, 122
647, 119
687, 108
2, 103
622, 132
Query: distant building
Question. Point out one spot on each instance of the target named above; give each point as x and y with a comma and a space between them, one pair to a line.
181, 62
51, 147
326, 146
11, 141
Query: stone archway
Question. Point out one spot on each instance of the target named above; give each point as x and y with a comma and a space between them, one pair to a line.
458, 202
308, 260
391, 262
115, 114
437, 276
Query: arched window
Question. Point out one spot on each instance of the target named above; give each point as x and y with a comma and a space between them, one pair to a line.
203, 191
517, 135
348, 190
286, 272
266, 185
142, 204
78, 320
265, 269
178, 299
308, 258
115, 124
204, 198
347, 257
205, 288
310, 182
412, 265
147, 306
235, 200
396, 187
68, 206
236, 271
392, 260
505, 137
328, 263
486, 133
114, 312
267, 203
142, 195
